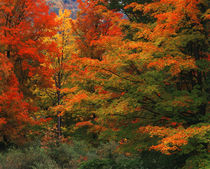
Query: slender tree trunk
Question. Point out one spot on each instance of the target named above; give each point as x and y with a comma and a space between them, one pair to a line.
58, 103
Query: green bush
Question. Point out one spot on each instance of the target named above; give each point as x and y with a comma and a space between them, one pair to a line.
98, 164
31, 158
157, 160
201, 161
130, 163
126, 163
64, 155
79, 155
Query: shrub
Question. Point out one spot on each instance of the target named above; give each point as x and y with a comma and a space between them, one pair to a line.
30, 158
64, 156
98, 164
122, 163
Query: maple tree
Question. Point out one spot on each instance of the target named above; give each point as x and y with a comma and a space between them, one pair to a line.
23, 25
157, 74
98, 23
14, 110
176, 49
93, 25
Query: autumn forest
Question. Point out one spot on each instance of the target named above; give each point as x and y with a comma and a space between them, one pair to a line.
114, 84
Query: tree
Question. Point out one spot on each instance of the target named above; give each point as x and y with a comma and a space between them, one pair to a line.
132, 15
14, 110
93, 24
23, 26
96, 31
158, 77
63, 66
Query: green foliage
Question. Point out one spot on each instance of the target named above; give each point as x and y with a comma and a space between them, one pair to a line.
201, 161
130, 163
30, 158
68, 156
153, 159
133, 16
93, 164
197, 152
119, 163
63, 156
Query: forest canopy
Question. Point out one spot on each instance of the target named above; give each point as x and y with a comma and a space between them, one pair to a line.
126, 78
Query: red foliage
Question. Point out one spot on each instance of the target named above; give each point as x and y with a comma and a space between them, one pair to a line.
94, 25
23, 26
84, 123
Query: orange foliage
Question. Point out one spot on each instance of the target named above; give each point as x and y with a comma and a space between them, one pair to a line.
172, 139
93, 28
13, 109
84, 123
176, 64
22, 38
23, 25
169, 22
